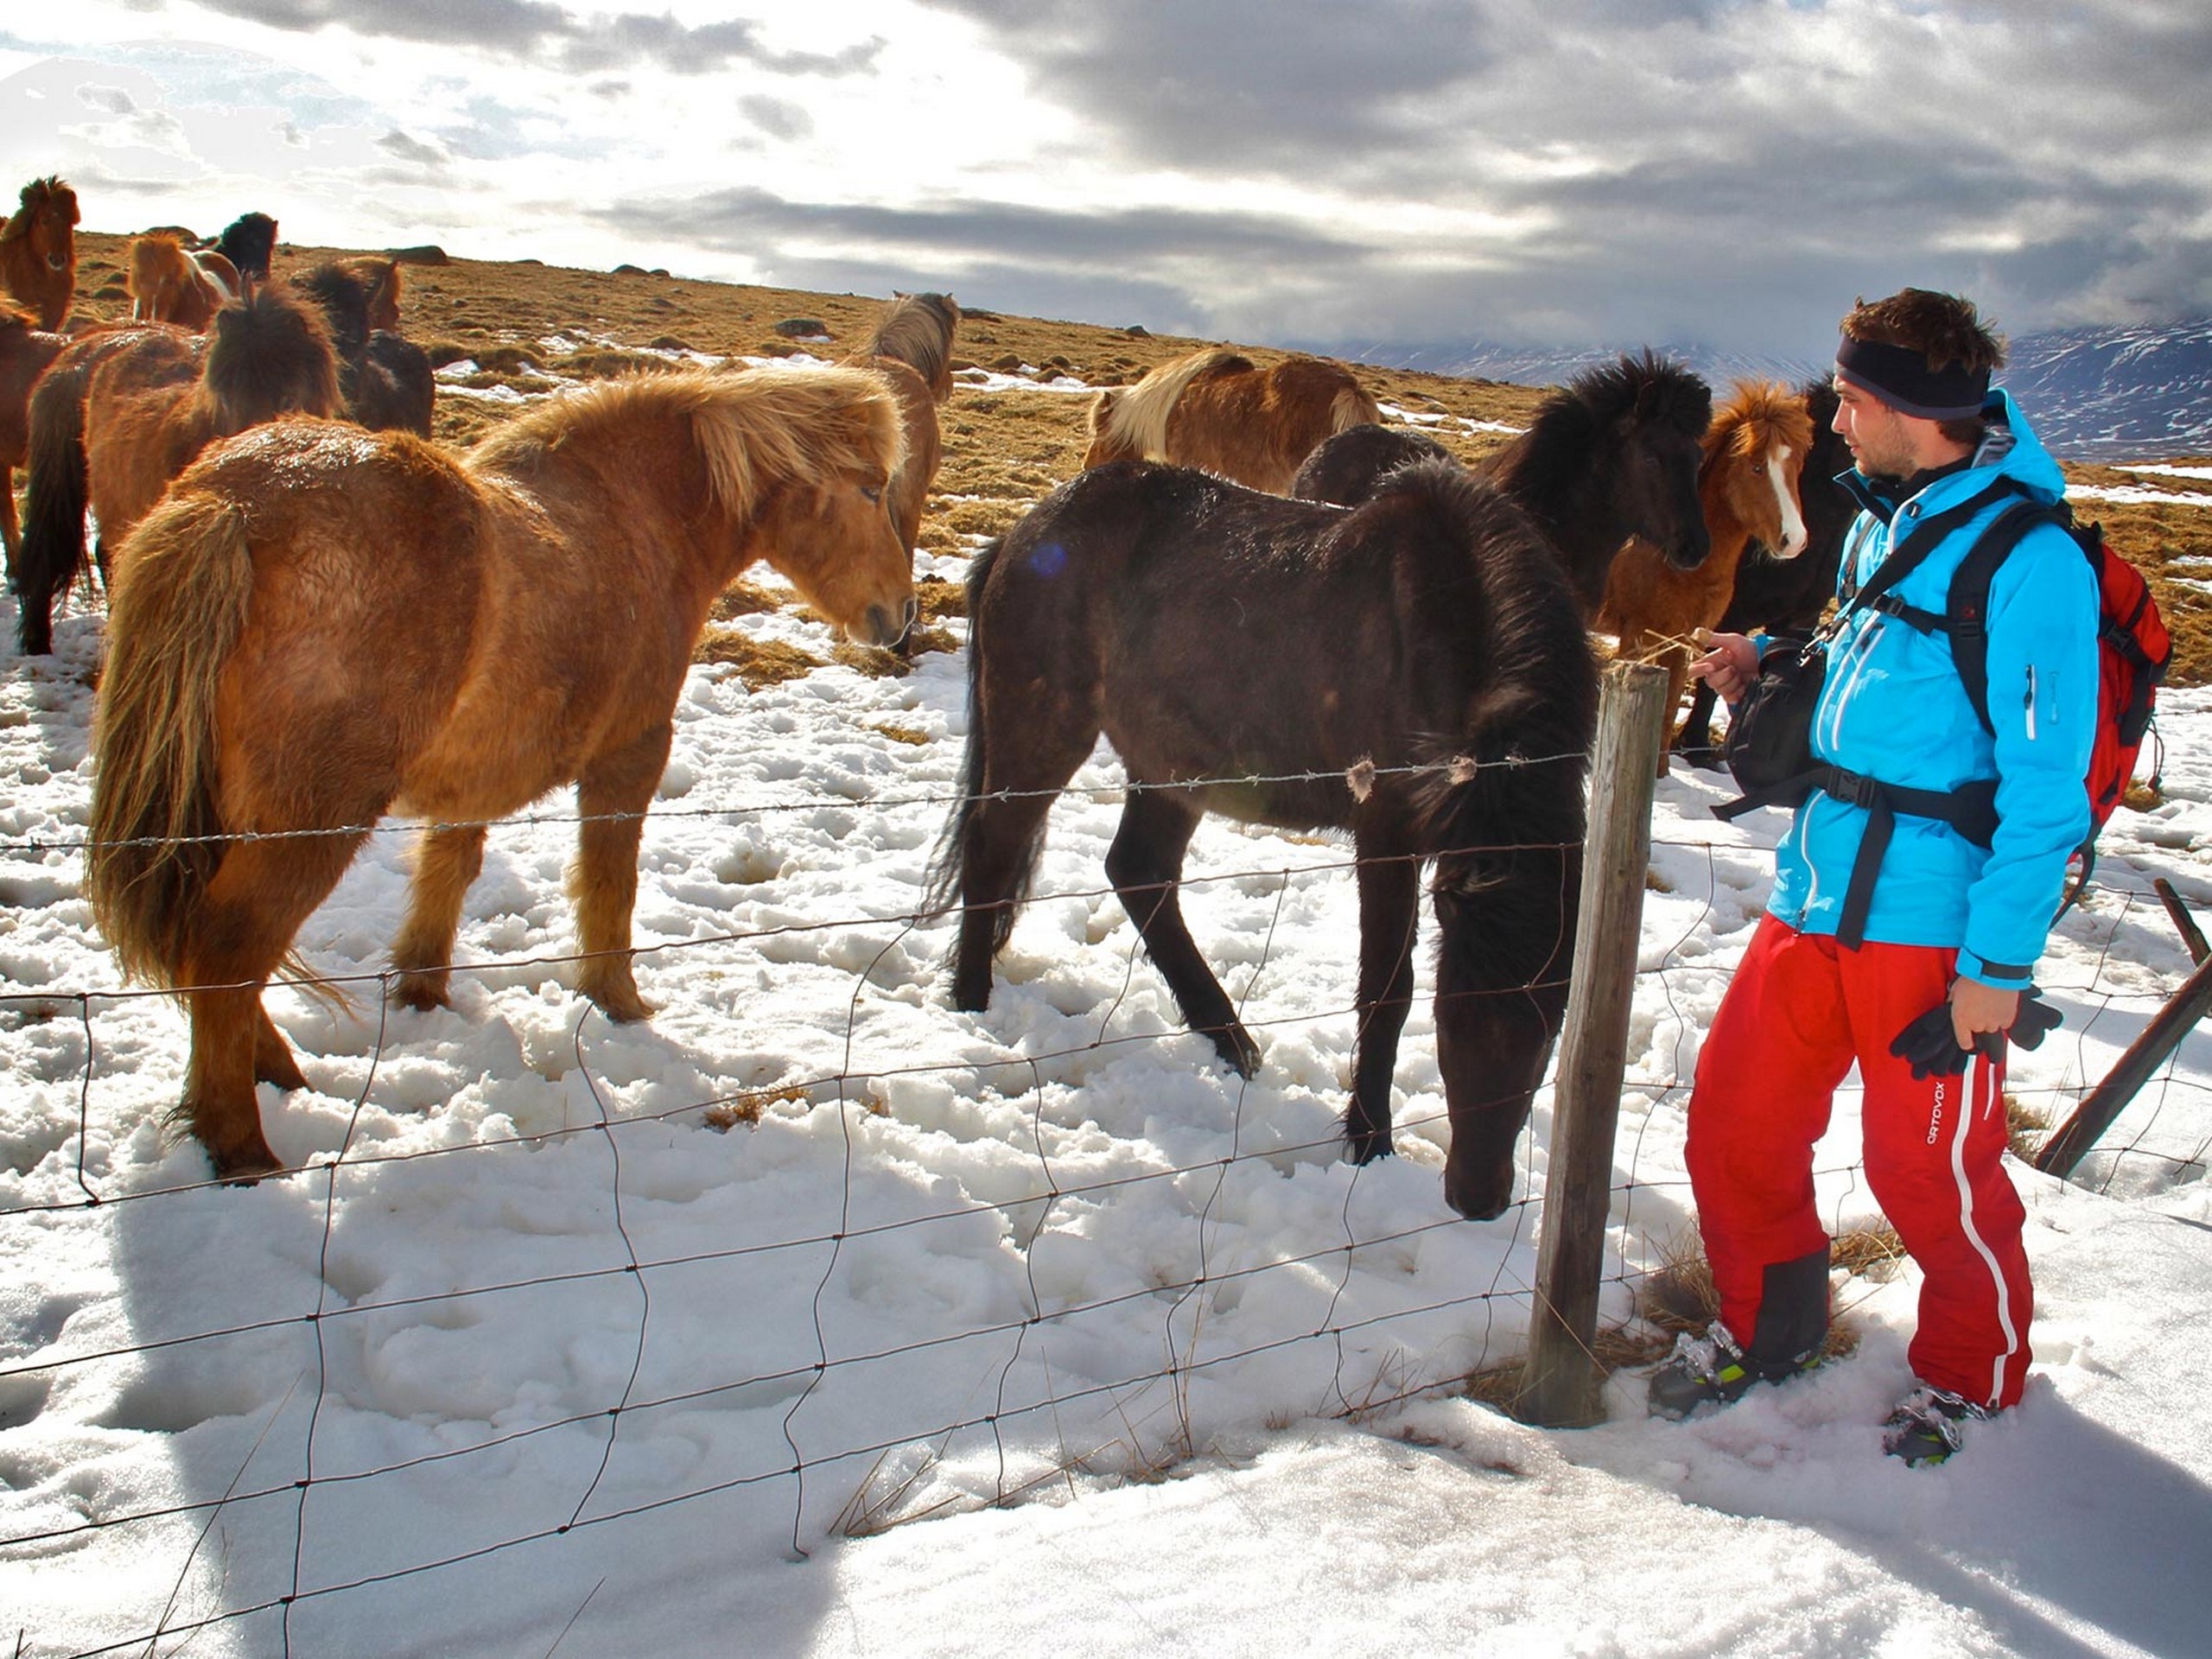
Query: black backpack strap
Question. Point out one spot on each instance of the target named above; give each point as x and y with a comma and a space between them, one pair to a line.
1971, 809
1966, 609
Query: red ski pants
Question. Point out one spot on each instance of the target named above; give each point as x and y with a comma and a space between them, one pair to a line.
1800, 1010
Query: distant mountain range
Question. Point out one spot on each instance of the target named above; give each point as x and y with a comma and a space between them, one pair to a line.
2135, 393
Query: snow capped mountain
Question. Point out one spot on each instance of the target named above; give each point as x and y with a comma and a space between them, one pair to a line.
2106, 393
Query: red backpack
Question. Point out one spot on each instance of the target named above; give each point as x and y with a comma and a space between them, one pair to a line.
2133, 649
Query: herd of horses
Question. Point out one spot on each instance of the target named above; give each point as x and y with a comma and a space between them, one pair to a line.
1275, 605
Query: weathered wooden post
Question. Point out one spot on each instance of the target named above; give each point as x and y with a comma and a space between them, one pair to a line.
2109, 1099
1560, 1387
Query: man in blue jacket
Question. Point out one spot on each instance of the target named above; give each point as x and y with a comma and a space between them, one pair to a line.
1895, 939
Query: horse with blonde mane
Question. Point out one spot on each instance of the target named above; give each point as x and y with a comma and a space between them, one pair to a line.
110, 438
1754, 453
26, 352
1215, 410
38, 250
320, 625
171, 282
913, 348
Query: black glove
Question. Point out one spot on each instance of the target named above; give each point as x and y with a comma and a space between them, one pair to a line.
1931, 1047
2036, 1020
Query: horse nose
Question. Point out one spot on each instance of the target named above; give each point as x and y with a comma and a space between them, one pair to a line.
1476, 1198
888, 626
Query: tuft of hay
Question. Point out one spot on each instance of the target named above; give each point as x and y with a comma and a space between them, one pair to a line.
939, 599
874, 661
900, 733
758, 662
726, 1114
743, 599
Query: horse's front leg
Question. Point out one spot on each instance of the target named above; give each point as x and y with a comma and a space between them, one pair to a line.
445, 861
1390, 916
611, 794
1144, 864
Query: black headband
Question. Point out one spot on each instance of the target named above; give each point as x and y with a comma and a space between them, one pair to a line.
1900, 377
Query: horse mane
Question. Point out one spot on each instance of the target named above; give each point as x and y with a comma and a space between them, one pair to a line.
32, 198
755, 429
1134, 419
1757, 415
246, 242
353, 294
1546, 459
269, 355
918, 330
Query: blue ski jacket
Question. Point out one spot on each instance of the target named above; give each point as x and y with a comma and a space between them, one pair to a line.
1894, 708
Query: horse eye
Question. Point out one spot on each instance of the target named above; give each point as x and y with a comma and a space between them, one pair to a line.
874, 493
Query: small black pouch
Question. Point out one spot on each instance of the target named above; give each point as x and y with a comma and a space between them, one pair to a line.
1769, 741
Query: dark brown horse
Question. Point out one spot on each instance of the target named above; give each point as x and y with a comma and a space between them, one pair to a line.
38, 250
913, 345
26, 352
319, 625
1244, 653
59, 492
1651, 415
1345, 469
247, 242
384, 378
1217, 411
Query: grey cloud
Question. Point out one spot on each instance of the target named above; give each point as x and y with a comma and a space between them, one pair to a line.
578, 42
777, 118
400, 147
108, 100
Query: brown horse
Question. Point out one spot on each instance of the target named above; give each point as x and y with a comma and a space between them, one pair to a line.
265, 358
1754, 453
912, 347
38, 250
1215, 410
319, 625
171, 282
384, 378
26, 351
60, 487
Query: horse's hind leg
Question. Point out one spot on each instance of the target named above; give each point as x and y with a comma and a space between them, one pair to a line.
445, 861
1144, 864
1389, 915
612, 795
260, 894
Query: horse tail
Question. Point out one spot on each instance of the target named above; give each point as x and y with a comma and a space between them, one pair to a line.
58, 494
942, 882
177, 610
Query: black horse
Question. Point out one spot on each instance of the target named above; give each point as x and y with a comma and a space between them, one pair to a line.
1343, 470
1784, 595
247, 242
384, 378
1426, 645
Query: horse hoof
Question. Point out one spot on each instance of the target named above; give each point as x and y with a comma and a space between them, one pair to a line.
1237, 1051
279, 1069
245, 1166
420, 992
1365, 1145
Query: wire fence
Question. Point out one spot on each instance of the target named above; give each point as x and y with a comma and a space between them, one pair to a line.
827, 1415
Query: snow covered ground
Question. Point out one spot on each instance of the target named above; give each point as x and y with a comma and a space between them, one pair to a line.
551, 1345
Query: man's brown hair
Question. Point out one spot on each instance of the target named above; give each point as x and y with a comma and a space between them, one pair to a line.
1943, 328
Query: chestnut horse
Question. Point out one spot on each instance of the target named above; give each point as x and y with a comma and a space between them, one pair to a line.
1215, 410
169, 282
1779, 596
1754, 453
59, 491
320, 625
38, 250
913, 347
384, 378
26, 351
122, 412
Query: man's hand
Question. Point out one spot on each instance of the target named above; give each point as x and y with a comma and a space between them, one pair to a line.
1976, 1008
1729, 665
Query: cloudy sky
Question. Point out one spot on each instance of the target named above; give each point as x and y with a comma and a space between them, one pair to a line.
1371, 172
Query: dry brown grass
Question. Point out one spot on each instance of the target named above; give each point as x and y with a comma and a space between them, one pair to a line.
758, 662
531, 328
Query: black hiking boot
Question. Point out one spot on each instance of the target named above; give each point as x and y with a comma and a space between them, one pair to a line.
1712, 1369
1924, 1429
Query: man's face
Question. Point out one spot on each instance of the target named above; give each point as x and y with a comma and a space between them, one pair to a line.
1881, 442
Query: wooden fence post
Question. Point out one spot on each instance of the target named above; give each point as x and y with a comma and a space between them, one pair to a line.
2107, 1101
1560, 1387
